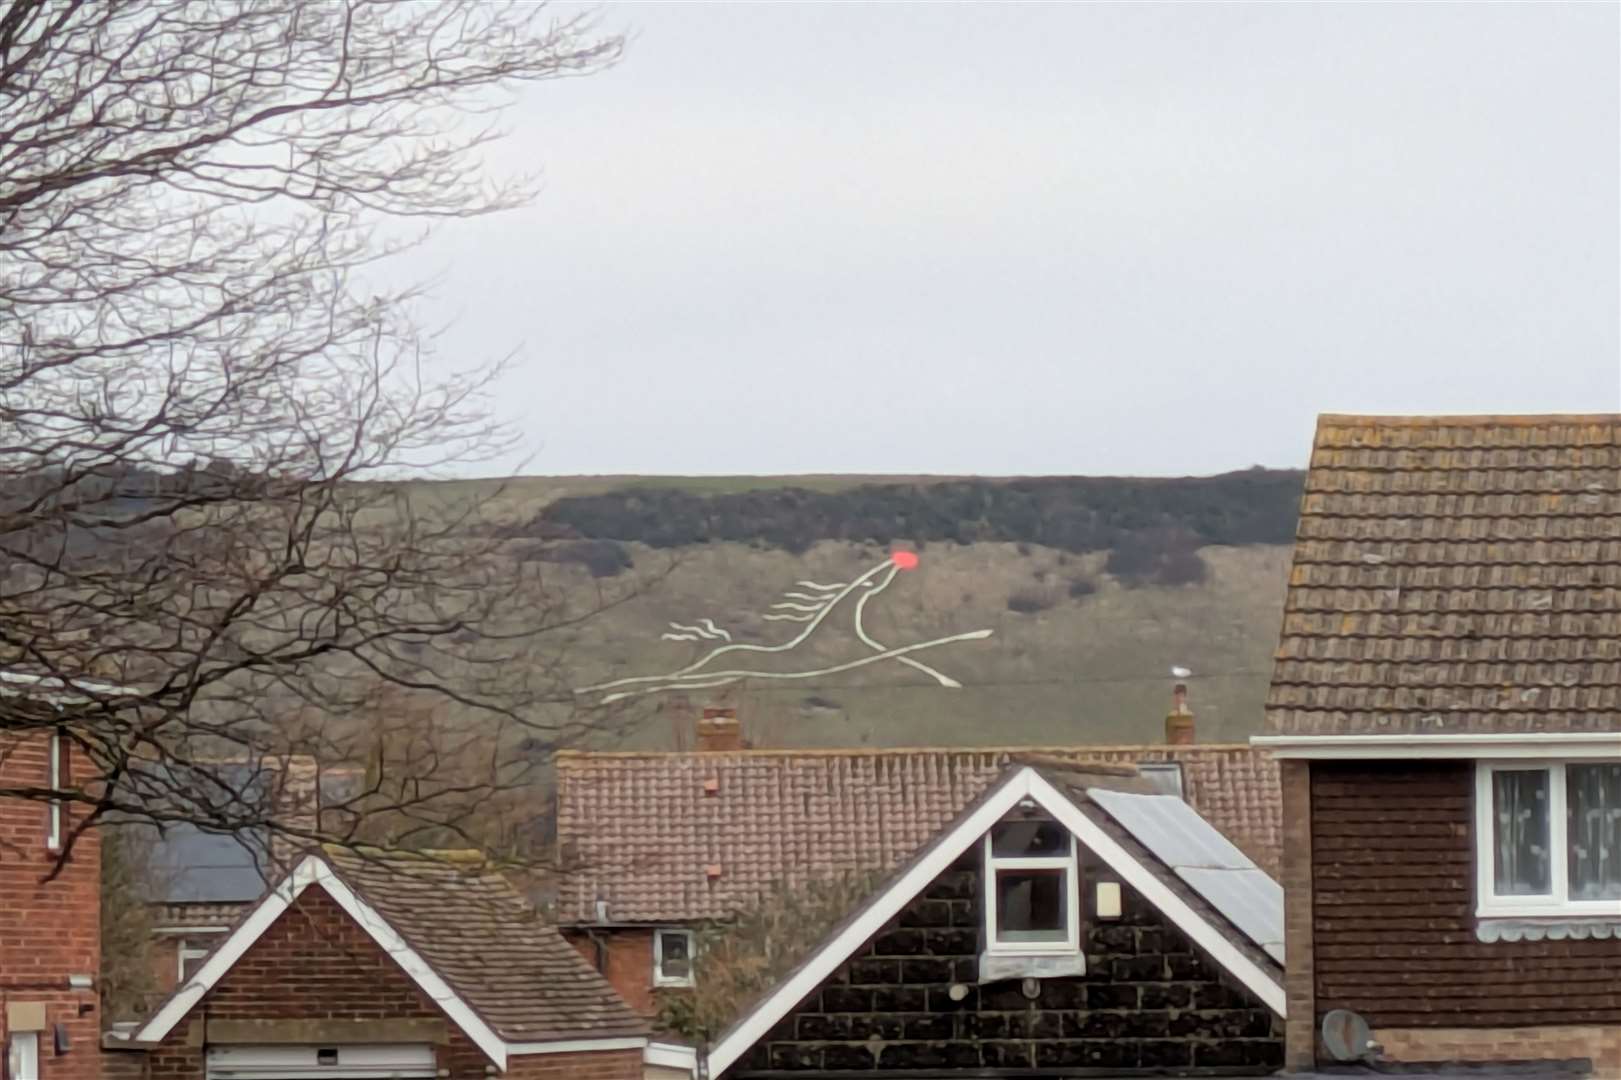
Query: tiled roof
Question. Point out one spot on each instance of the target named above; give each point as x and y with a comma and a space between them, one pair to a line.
645, 833
223, 915
477, 932
1455, 574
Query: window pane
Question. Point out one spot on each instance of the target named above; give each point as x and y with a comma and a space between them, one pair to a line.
23, 1056
1164, 779
1593, 830
1520, 846
1029, 839
673, 956
1030, 905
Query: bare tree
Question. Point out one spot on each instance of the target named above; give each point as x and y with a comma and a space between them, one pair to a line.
737, 960
209, 409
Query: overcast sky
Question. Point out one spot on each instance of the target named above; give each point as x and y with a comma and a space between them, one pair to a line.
1146, 239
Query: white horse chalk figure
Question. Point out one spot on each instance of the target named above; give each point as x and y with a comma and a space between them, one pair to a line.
810, 603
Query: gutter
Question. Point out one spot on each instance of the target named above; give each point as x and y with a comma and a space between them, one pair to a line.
1565, 745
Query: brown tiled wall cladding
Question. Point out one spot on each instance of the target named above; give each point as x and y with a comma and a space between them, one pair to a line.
641, 831
1393, 912
1455, 574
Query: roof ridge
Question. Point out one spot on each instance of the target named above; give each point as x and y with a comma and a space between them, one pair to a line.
1066, 748
1467, 419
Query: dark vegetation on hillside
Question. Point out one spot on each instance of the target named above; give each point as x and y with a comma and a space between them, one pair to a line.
1152, 528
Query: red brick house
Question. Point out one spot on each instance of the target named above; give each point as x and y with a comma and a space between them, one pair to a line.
1447, 707
50, 930
655, 844
362, 967
1070, 921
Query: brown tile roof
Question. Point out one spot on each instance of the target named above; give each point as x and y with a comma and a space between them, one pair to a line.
1455, 574
223, 915
642, 831
478, 933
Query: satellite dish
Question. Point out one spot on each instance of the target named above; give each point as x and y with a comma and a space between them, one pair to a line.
1346, 1036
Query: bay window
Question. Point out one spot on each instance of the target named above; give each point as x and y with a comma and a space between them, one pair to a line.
1549, 838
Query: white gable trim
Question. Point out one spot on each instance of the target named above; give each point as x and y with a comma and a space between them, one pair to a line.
313, 870
936, 860
1156, 892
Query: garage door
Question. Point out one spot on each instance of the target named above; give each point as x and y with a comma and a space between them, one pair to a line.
407, 1061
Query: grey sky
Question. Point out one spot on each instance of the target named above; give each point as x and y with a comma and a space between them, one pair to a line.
1040, 239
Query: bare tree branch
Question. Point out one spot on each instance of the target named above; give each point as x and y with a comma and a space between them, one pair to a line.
208, 550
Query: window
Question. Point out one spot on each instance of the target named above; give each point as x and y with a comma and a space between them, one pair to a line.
1032, 896
191, 958
1549, 838
672, 958
53, 780
1164, 777
22, 1056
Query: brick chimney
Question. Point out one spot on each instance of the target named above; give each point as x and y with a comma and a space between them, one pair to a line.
719, 730
1179, 721
295, 800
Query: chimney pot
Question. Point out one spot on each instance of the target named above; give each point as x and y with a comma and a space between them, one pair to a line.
1179, 729
719, 731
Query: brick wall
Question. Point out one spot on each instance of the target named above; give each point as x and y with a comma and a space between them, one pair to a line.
1300, 1049
1149, 1001
627, 955
1551, 1042
1393, 922
597, 1065
48, 930
312, 963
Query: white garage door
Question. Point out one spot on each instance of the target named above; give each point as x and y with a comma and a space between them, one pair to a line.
407, 1061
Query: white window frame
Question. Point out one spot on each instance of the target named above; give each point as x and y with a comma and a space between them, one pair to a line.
53, 780
1069, 864
661, 979
22, 1055
1150, 769
1556, 902
184, 951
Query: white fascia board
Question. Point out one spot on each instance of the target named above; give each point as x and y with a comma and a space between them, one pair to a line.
313, 870
671, 1056
248, 931
1564, 745
746, 1032
576, 1046
1156, 892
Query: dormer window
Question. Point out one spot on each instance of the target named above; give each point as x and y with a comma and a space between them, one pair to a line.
1032, 900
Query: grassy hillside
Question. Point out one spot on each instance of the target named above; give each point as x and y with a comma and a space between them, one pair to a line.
1091, 588
1092, 667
